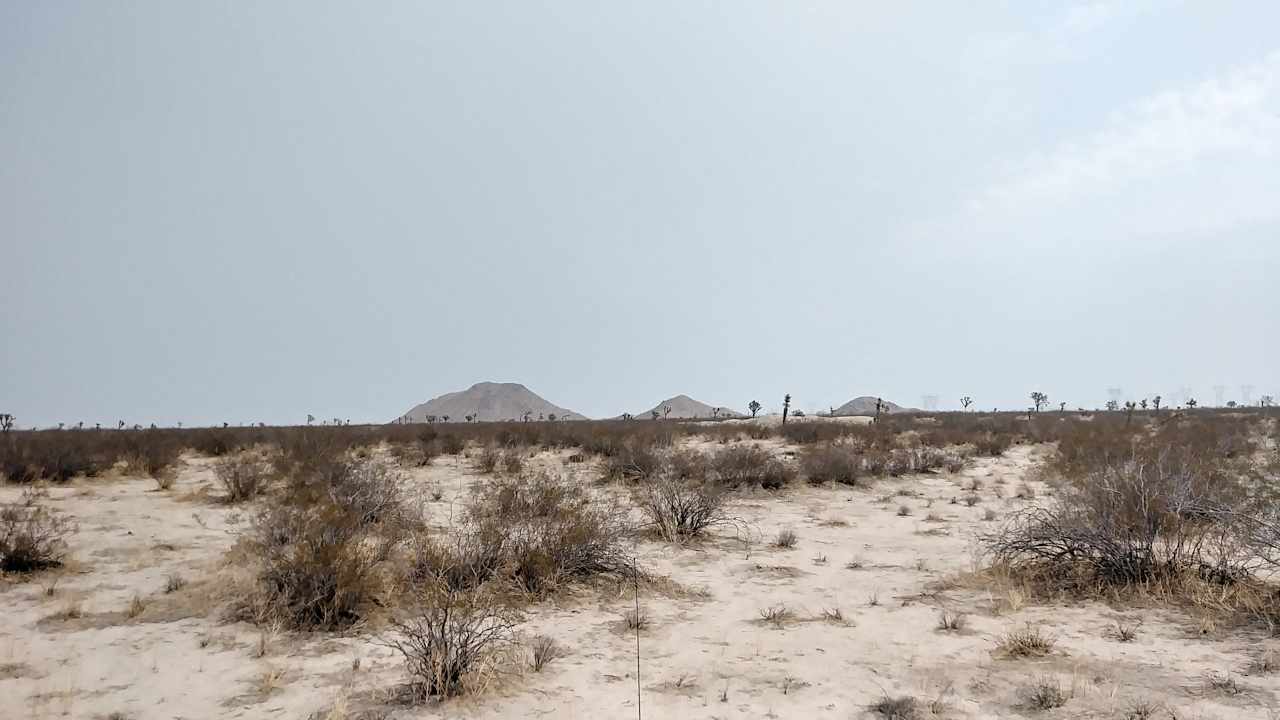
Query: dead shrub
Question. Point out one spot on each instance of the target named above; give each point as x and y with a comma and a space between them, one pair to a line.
1127, 524
682, 509
786, 539
32, 537
451, 639
244, 477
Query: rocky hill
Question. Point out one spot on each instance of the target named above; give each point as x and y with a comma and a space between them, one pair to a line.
488, 401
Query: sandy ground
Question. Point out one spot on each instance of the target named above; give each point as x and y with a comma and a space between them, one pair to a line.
706, 653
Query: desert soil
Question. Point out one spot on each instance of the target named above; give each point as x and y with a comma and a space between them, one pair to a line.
74, 643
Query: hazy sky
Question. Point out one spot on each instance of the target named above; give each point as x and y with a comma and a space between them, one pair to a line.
253, 211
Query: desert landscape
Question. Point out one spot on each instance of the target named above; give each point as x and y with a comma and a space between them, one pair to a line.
902, 566
434, 359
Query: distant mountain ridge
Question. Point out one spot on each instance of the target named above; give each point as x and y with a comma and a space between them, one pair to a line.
488, 402
866, 405
683, 407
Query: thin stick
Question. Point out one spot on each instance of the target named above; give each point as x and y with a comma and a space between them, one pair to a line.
635, 576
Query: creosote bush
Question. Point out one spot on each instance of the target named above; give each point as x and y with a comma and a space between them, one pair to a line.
751, 466
325, 548
535, 533
832, 462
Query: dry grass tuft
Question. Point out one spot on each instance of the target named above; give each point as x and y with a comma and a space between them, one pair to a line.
1030, 641
786, 539
776, 615
1045, 693
543, 651
951, 620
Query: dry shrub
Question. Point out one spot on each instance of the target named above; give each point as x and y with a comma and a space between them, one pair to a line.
992, 444
31, 536
786, 539
898, 708
681, 509
367, 489
244, 476
752, 466
488, 459
543, 651
325, 549
832, 462
537, 533
513, 461
633, 460
1132, 523
452, 639
321, 566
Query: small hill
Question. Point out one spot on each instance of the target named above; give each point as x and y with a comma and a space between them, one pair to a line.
684, 407
866, 405
488, 401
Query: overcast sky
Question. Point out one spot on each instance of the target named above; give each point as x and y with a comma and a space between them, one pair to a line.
248, 212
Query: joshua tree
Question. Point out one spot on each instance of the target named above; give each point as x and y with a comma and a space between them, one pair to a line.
1062, 407
1143, 403
1040, 400
754, 406
786, 406
444, 418
715, 412
1155, 402
551, 417
1113, 405
879, 407
1231, 404
527, 413
1191, 403
1129, 407
1267, 401
666, 410
469, 418
965, 402
80, 425
626, 416
654, 413
6, 422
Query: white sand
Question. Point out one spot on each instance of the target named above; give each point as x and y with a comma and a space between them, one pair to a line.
706, 654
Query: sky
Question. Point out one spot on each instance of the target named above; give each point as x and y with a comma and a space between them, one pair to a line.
250, 212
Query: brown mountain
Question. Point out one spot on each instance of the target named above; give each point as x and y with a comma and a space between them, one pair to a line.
488, 401
684, 407
866, 405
